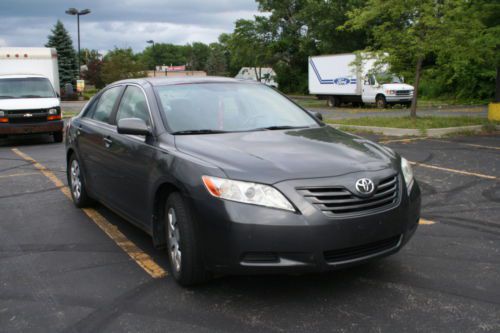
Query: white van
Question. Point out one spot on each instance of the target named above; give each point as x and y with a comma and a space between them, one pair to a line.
337, 79
29, 92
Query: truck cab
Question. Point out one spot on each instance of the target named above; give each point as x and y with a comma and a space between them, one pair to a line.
29, 104
386, 89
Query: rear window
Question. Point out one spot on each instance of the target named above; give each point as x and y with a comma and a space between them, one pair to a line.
29, 87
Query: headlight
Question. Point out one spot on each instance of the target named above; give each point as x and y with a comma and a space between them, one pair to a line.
250, 193
2, 114
53, 111
407, 173
390, 92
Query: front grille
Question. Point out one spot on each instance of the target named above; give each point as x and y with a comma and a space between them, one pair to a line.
358, 252
403, 92
338, 201
34, 116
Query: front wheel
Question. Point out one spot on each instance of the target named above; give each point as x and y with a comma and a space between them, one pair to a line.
183, 245
381, 102
58, 136
76, 183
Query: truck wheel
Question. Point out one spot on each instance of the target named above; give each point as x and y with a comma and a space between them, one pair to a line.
183, 248
333, 101
381, 102
58, 136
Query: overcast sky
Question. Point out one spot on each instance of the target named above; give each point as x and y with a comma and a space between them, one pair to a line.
125, 23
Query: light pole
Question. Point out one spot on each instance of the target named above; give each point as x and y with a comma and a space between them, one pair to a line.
78, 13
154, 55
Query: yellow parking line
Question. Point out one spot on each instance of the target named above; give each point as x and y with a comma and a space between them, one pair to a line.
467, 173
404, 140
139, 256
20, 174
426, 222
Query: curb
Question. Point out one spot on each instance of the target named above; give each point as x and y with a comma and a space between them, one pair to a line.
433, 132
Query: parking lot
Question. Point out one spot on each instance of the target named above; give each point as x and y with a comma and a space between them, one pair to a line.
67, 270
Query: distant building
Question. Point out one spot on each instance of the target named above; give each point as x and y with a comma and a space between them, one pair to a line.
267, 75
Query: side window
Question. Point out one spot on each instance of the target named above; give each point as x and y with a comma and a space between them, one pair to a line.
105, 104
133, 105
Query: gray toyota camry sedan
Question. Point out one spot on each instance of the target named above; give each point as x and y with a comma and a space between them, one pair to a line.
231, 177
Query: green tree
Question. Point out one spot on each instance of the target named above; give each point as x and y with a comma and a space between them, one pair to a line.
66, 58
217, 60
197, 55
122, 64
250, 44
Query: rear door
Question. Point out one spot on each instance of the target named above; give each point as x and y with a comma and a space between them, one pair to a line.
94, 137
133, 158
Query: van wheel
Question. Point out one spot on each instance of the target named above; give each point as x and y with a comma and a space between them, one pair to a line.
76, 183
381, 102
58, 136
183, 247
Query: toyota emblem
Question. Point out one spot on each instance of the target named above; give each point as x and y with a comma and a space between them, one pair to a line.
365, 186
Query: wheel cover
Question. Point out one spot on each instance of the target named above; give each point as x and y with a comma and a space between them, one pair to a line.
76, 183
174, 240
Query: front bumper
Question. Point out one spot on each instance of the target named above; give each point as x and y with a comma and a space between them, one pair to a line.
246, 239
28, 128
398, 99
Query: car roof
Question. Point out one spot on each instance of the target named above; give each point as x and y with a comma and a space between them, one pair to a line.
162, 81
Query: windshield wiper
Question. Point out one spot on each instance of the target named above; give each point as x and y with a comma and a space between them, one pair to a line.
272, 128
4, 96
199, 131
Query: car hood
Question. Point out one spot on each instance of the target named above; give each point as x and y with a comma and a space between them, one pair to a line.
28, 103
274, 156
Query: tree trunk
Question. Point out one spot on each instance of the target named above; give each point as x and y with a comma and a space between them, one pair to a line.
497, 89
418, 71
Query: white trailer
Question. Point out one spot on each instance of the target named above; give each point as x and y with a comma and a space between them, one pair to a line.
338, 79
30, 60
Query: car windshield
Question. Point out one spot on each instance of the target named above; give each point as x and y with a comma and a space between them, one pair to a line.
29, 87
203, 108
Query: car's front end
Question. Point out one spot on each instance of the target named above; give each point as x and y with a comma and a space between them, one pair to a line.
398, 93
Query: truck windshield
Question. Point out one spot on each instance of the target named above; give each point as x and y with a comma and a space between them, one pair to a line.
384, 78
26, 87
204, 108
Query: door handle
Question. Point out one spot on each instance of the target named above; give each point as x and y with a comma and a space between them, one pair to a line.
107, 142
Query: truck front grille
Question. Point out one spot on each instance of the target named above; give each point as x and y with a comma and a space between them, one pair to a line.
403, 92
336, 201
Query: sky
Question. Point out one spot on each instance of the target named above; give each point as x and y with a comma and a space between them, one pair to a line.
125, 23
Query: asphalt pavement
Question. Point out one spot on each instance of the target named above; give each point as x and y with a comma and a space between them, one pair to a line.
60, 272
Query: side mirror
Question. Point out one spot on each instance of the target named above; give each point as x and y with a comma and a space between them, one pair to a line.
133, 126
318, 115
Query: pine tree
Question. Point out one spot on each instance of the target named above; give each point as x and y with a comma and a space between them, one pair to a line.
61, 40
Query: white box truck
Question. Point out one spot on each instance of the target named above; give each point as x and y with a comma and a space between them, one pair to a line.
29, 92
340, 79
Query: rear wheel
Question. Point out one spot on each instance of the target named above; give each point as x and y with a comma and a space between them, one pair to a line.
58, 136
333, 101
77, 184
381, 102
182, 243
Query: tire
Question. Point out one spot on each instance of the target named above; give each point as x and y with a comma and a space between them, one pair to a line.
333, 101
58, 136
381, 102
76, 183
183, 246
407, 105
